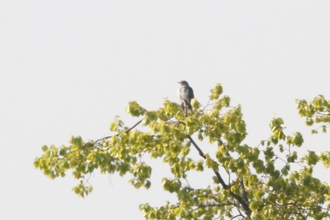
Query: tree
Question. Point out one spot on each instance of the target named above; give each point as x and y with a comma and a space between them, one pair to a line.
269, 181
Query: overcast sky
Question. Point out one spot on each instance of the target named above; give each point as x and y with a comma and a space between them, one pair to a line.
69, 67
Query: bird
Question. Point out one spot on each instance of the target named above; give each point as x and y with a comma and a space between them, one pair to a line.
185, 94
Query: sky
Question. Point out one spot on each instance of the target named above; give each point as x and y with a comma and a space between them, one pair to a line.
69, 67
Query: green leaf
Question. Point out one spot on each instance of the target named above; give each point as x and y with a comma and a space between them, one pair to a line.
135, 109
44, 148
147, 184
297, 139
113, 126
216, 92
312, 158
62, 152
195, 104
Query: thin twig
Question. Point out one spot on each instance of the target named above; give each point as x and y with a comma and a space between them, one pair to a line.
207, 104
236, 216
128, 130
215, 205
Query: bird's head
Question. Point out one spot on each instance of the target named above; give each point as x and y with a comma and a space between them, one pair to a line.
184, 83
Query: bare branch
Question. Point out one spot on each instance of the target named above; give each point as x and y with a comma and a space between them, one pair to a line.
215, 205
107, 137
244, 194
236, 216
244, 203
224, 185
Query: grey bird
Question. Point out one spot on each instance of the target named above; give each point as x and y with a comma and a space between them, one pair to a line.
185, 94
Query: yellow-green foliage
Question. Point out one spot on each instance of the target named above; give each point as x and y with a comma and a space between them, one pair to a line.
249, 182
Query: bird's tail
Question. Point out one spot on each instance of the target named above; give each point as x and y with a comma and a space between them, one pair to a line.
186, 107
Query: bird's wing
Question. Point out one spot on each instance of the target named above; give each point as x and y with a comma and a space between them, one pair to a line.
185, 95
191, 93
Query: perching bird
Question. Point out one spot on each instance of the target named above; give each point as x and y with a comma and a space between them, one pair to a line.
185, 94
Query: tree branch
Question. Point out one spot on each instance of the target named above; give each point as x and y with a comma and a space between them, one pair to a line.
224, 185
236, 216
215, 205
128, 130
244, 194
244, 203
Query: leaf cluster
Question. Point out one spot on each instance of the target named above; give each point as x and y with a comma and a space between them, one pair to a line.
315, 112
270, 181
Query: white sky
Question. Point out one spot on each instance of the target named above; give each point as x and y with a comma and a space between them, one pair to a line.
68, 67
